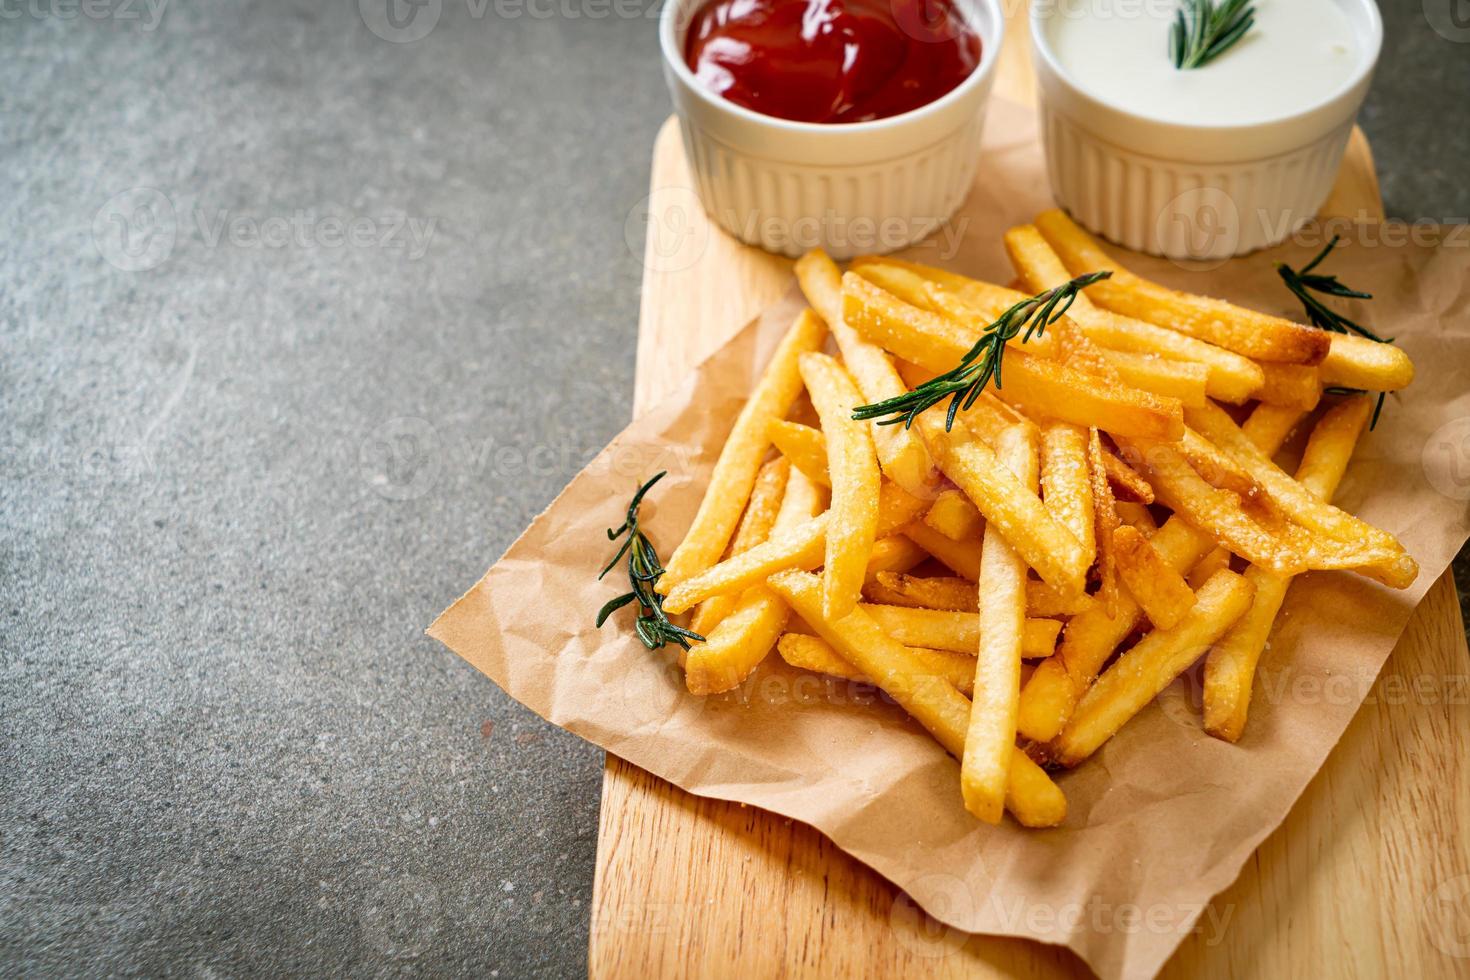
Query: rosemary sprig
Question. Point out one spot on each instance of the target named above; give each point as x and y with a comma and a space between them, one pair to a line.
983, 362
1302, 282
1202, 31
644, 568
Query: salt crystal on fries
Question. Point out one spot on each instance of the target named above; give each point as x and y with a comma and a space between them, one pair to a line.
1162, 593
1066, 488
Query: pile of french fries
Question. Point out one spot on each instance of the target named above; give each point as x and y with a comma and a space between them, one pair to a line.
1095, 524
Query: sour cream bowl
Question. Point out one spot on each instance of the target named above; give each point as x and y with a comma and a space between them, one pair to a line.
849, 188
1206, 163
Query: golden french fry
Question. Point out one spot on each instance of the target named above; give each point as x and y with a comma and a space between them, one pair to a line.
918, 592
1230, 377
1160, 591
740, 459
1091, 636
901, 454
991, 736
1231, 666
1292, 385
1105, 515
1357, 362
815, 653
944, 629
1271, 426
852, 465
804, 446
802, 547
894, 553
1181, 380
1006, 504
1033, 799
1125, 480
1045, 600
1252, 334
1066, 488
1030, 382
1136, 515
743, 635
1396, 568
960, 557
954, 516
754, 528
1207, 566
1125, 688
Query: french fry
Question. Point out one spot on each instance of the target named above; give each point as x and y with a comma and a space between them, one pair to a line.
901, 454
960, 557
1066, 487
958, 595
1136, 515
1231, 665
943, 629
1015, 512
1229, 376
803, 547
754, 528
918, 592
740, 459
803, 445
1125, 480
1161, 592
1033, 383
852, 465
953, 516
991, 736
1031, 797
1126, 687
1182, 380
894, 553
1292, 385
816, 654
1271, 426
1357, 362
1246, 332
1207, 566
1089, 639
743, 636
1396, 569
1105, 516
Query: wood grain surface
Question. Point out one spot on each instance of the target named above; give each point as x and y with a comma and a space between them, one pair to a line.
1369, 875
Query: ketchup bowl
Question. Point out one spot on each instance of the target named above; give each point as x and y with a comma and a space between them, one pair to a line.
873, 185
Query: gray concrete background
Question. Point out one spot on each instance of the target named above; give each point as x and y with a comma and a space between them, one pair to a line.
249, 452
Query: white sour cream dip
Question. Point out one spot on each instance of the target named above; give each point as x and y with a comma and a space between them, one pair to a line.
1297, 53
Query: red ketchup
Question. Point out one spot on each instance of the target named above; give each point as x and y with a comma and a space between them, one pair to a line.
831, 61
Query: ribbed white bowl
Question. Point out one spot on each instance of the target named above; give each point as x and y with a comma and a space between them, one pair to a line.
1194, 192
850, 189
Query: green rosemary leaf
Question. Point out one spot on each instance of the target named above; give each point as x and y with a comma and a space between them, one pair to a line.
1202, 31
982, 363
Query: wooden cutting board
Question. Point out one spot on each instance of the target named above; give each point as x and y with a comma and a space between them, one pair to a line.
1368, 876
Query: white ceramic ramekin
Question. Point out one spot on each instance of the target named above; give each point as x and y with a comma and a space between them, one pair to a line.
1196, 192
851, 189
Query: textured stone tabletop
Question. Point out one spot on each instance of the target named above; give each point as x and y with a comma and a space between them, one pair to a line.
301, 326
